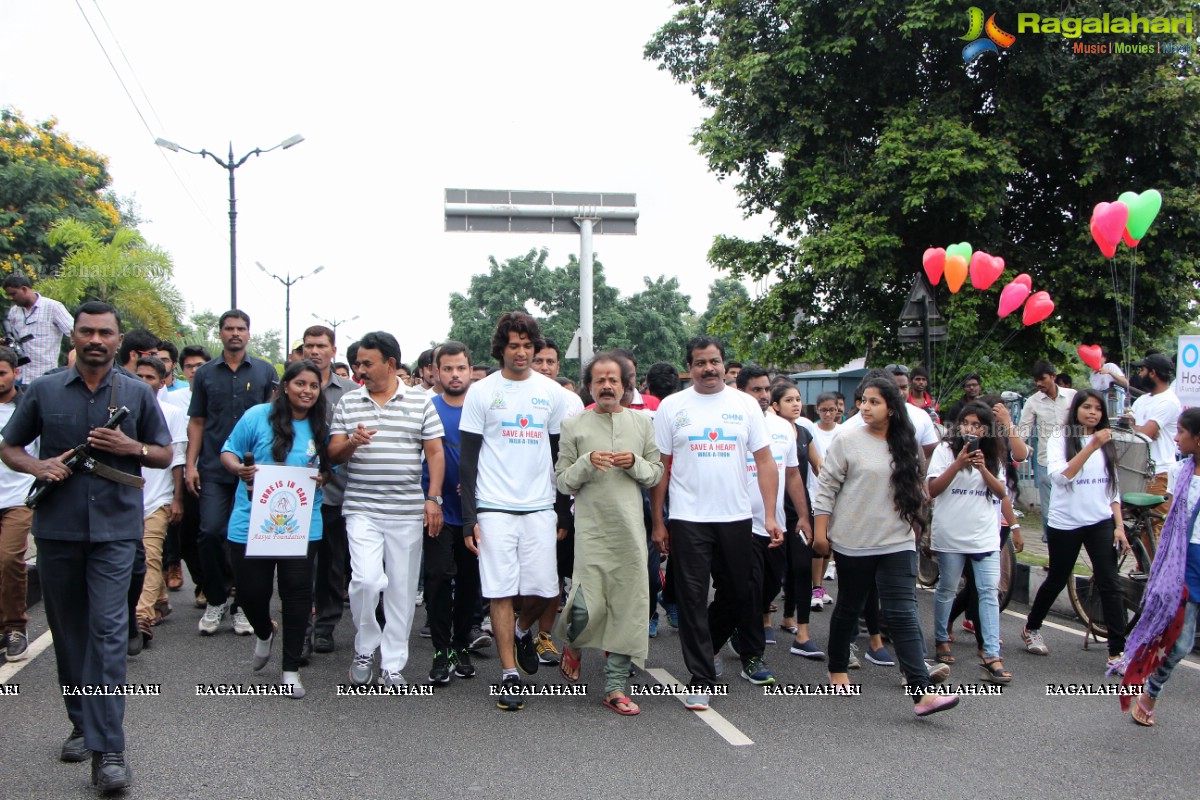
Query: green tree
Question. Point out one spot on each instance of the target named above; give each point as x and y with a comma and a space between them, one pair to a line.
267, 345
660, 321
857, 127
45, 176
504, 287
724, 316
127, 272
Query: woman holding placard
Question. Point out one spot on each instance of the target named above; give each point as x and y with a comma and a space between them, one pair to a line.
292, 430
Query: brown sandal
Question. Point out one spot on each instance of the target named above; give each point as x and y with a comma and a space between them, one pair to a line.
944, 656
994, 671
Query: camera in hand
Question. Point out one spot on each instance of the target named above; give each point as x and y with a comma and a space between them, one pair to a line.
78, 460
11, 341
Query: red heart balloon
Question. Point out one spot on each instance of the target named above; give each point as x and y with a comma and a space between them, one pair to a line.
1037, 308
1025, 279
1011, 297
934, 261
985, 269
1129, 240
1092, 355
1108, 225
1109, 249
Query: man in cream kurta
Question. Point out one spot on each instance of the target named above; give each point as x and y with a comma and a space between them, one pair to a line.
605, 456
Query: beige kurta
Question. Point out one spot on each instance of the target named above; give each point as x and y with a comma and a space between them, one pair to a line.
610, 534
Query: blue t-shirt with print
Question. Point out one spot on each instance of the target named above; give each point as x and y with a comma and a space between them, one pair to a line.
253, 434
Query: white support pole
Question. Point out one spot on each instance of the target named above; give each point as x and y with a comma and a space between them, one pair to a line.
585, 289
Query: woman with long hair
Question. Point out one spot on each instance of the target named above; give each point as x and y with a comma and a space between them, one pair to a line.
872, 498
1085, 512
1174, 579
292, 429
966, 485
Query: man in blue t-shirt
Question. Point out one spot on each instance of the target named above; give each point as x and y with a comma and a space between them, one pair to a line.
447, 558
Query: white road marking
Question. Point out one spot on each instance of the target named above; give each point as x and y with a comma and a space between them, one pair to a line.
724, 728
36, 647
1079, 631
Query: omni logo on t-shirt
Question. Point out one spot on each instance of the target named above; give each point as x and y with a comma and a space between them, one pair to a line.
713, 441
521, 430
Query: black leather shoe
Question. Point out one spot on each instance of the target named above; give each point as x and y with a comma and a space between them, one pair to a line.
135, 644
73, 749
110, 772
322, 642
306, 651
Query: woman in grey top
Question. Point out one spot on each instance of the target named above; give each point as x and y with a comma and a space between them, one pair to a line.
872, 496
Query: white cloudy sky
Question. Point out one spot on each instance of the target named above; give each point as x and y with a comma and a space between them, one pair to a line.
396, 103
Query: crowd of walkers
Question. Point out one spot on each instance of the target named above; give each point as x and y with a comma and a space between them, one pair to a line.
548, 519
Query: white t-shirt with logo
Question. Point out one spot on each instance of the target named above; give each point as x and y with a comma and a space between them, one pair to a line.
516, 420
965, 513
1083, 500
822, 439
14, 486
159, 490
926, 434
1163, 408
783, 451
708, 437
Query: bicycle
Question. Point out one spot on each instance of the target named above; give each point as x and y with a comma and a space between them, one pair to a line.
1138, 514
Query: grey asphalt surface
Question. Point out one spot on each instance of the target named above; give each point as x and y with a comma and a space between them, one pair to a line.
457, 744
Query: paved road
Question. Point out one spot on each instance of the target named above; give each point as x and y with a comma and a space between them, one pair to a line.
456, 744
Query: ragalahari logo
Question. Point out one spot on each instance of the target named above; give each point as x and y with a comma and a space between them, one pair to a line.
980, 44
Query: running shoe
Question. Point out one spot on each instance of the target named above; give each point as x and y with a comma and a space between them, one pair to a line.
420, 597
394, 678
362, 669
486, 627
696, 702
211, 621
880, 657
854, 662
755, 670
439, 674
1033, 642
769, 635
831, 572
818, 599
526, 653
1114, 663
672, 614
510, 702
463, 667
718, 666
479, 639
547, 653
653, 628
807, 649
241, 625
968, 625
17, 647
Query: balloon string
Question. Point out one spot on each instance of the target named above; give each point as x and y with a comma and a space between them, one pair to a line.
1132, 295
1003, 345
963, 368
1113, 274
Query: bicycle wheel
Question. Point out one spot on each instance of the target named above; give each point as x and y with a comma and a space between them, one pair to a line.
1008, 565
1085, 599
927, 570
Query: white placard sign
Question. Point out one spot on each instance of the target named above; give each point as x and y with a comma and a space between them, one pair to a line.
1187, 371
281, 509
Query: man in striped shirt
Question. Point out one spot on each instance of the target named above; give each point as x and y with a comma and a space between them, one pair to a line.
380, 432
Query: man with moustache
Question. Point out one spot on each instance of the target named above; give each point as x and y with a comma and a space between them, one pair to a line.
222, 391
606, 456
87, 531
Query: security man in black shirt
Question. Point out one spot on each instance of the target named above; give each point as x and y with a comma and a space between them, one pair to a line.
88, 527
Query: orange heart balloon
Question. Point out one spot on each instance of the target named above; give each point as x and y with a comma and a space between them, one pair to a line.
956, 272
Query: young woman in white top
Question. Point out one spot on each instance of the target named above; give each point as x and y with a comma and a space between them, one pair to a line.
1085, 511
829, 414
966, 484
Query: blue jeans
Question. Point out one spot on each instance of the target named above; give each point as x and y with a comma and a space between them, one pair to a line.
1183, 646
987, 582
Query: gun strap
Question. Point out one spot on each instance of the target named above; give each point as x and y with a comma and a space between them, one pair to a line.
112, 394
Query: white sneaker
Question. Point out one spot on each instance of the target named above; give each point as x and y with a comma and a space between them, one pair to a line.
293, 679
394, 678
831, 572
420, 597
241, 625
486, 627
854, 663
211, 619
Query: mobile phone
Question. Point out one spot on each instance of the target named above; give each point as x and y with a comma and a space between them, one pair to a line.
972, 443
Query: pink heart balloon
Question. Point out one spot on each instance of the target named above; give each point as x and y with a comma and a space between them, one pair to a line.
1037, 308
935, 262
1025, 279
985, 269
1109, 249
1011, 297
1092, 355
1108, 224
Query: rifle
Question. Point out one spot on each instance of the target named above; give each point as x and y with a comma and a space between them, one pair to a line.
78, 460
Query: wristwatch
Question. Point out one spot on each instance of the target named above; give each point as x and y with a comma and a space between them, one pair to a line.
145, 451
437, 498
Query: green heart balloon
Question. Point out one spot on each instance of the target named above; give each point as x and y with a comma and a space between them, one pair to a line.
962, 249
1143, 208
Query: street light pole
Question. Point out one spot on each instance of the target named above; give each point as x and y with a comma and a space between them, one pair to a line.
287, 308
231, 165
334, 323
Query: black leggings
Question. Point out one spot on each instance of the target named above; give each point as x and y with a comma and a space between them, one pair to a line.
1064, 548
797, 575
254, 578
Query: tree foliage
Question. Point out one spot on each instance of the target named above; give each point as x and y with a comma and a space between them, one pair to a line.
654, 323
858, 128
45, 176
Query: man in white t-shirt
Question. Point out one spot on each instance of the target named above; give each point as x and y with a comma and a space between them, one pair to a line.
15, 523
510, 425
927, 436
1156, 414
162, 501
705, 434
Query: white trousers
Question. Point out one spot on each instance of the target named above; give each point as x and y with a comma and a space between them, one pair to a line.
385, 558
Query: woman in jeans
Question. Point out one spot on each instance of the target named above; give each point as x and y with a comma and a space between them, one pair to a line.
1085, 511
1176, 569
293, 430
965, 482
871, 497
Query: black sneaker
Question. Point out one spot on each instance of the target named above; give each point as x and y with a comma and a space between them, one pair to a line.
440, 674
73, 749
322, 642
479, 639
18, 646
110, 772
463, 667
511, 702
425, 632
526, 652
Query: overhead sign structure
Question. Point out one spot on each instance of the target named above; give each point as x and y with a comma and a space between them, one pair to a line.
514, 211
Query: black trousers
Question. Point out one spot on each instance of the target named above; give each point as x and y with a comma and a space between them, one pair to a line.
216, 505
137, 580
255, 577
451, 588
797, 575
181, 542
654, 572
724, 551
85, 586
764, 567
329, 571
1064, 546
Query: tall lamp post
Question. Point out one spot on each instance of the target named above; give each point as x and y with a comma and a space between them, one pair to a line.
334, 323
287, 308
231, 165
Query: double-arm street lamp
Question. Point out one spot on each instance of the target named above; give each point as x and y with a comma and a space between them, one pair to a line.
287, 308
231, 165
333, 323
